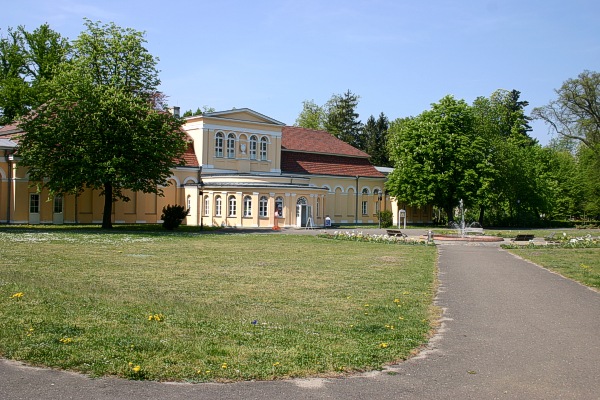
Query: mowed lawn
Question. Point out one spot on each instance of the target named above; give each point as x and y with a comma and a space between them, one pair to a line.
580, 264
211, 307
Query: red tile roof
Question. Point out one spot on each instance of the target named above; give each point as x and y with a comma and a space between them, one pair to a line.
323, 164
301, 139
307, 151
189, 157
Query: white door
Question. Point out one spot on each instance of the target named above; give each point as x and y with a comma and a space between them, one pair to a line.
57, 214
34, 208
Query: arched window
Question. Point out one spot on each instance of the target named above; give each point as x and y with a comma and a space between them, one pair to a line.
279, 206
232, 206
206, 205
247, 206
365, 191
231, 145
253, 147
219, 144
262, 206
263, 148
218, 206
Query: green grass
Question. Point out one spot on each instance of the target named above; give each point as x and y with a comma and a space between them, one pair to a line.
582, 265
229, 307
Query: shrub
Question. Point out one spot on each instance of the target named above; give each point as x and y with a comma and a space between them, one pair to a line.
385, 217
172, 216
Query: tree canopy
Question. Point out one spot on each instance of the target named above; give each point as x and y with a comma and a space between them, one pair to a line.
105, 126
436, 156
575, 113
28, 61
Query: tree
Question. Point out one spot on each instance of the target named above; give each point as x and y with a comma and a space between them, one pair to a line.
501, 121
341, 119
105, 126
204, 110
575, 114
312, 116
437, 156
28, 60
374, 135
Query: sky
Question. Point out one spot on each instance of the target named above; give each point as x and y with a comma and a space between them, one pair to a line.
399, 56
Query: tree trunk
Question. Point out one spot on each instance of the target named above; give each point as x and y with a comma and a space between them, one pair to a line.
108, 203
449, 213
481, 211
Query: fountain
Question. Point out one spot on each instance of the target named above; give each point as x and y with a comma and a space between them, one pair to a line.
463, 230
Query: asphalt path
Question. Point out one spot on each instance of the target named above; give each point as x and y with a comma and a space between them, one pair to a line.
509, 330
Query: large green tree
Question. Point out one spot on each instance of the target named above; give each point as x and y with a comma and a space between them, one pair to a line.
374, 136
437, 157
501, 120
105, 126
312, 116
341, 119
28, 61
575, 113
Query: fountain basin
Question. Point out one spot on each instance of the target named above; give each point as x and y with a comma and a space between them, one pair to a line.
468, 238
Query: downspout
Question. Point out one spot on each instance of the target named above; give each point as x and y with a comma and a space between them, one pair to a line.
356, 208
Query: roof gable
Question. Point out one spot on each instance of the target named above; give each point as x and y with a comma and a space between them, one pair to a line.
243, 114
295, 138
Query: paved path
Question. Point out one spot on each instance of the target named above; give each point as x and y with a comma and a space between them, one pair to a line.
511, 330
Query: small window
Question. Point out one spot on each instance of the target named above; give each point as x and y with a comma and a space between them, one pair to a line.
232, 206
262, 206
218, 206
58, 205
247, 206
34, 203
219, 144
279, 206
231, 145
365, 205
253, 147
263, 148
206, 205
189, 202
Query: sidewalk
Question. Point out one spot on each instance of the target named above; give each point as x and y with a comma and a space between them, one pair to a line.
510, 330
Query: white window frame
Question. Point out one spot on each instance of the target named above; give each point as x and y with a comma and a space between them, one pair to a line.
263, 148
365, 207
279, 205
232, 206
218, 206
57, 205
231, 145
34, 203
206, 205
263, 206
253, 146
219, 144
247, 206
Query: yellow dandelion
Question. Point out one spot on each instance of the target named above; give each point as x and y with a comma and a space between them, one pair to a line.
396, 300
17, 295
383, 345
224, 366
136, 369
276, 364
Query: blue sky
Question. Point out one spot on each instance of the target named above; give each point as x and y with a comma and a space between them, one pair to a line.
398, 56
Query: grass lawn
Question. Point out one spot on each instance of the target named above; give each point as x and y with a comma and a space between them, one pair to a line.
208, 307
582, 265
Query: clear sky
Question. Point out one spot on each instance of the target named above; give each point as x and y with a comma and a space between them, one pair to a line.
399, 56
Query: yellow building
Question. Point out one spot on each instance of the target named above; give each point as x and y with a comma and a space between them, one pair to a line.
243, 169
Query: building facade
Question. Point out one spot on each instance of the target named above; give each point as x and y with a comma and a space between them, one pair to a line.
242, 169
